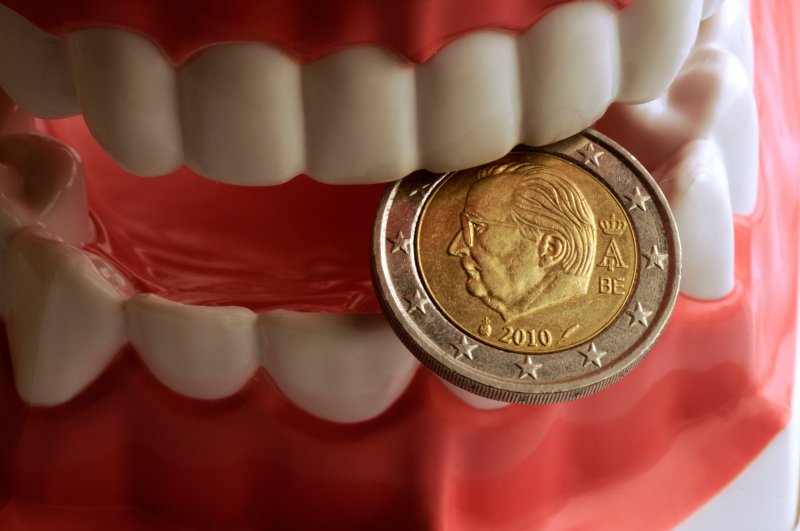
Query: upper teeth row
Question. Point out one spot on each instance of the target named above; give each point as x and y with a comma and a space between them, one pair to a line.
248, 114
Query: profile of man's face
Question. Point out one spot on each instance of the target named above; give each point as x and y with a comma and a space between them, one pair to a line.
502, 260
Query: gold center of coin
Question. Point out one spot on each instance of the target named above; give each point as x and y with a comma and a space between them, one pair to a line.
531, 254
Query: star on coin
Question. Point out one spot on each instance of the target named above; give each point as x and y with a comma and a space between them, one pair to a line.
417, 302
400, 243
639, 315
655, 258
593, 355
419, 190
464, 348
637, 200
529, 368
591, 154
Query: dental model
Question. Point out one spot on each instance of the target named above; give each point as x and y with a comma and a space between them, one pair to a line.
203, 348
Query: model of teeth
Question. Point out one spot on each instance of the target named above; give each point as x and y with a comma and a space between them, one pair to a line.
188, 350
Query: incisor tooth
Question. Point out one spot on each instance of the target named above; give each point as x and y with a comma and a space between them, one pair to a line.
242, 114
655, 39
360, 116
34, 69
198, 351
64, 320
468, 102
127, 92
569, 64
343, 368
697, 188
42, 184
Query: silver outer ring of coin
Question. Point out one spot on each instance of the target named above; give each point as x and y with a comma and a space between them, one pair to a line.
509, 376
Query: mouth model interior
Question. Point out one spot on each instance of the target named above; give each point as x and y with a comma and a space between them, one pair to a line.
246, 114
210, 273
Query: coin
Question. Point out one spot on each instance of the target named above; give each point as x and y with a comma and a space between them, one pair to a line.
541, 277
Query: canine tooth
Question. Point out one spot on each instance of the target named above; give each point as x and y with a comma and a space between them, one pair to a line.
360, 116
199, 351
468, 102
42, 184
64, 320
697, 188
344, 368
34, 69
471, 399
127, 92
242, 114
570, 70
655, 39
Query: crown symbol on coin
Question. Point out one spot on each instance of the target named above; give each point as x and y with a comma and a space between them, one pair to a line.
613, 226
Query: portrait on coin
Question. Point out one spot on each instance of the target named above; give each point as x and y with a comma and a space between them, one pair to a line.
527, 239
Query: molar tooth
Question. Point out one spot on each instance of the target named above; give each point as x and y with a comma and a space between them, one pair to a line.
242, 114
715, 94
64, 320
729, 28
42, 184
655, 39
344, 368
34, 69
360, 116
198, 351
468, 102
569, 63
127, 92
697, 188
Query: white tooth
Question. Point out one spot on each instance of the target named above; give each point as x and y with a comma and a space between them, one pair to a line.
42, 184
343, 368
468, 102
127, 92
730, 30
33, 68
242, 114
65, 321
655, 39
569, 63
199, 351
697, 188
360, 116
714, 97
471, 399
710, 7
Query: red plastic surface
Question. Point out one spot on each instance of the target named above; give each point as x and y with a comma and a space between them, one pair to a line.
130, 454
305, 29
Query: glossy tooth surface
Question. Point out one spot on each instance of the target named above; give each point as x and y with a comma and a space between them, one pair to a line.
343, 368
64, 319
198, 351
730, 30
42, 184
360, 116
242, 114
698, 191
714, 92
570, 85
468, 102
34, 69
127, 92
655, 39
